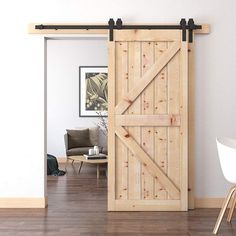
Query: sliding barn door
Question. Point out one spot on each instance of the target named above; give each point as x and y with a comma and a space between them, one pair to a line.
147, 147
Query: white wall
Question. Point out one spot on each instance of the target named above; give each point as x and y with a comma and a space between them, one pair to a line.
22, 85
63, 60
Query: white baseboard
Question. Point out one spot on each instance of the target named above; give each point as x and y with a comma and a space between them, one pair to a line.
24, 202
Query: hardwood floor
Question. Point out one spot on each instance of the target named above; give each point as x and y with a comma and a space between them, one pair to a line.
77, 206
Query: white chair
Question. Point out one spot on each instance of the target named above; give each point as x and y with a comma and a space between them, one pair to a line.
227, 155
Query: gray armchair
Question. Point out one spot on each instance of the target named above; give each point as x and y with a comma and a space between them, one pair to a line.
75, 151
79, 141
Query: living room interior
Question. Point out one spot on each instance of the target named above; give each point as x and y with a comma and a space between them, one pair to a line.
65, 58
46, 80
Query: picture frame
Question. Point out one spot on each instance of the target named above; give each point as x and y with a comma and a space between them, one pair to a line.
93, 98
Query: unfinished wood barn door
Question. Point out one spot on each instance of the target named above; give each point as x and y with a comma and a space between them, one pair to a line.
147, 146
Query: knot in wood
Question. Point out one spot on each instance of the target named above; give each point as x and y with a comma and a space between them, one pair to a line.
128, 100
172, 119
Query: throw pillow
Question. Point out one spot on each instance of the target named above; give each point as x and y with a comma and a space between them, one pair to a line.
78, 138
93, 134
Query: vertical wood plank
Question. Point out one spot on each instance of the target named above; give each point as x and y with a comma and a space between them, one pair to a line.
184, 126
134, 170
173, 108
191, 127
160, 133
125, 86
111, 127
147, 98
121, 150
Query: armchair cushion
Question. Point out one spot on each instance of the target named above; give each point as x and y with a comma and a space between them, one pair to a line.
78, 138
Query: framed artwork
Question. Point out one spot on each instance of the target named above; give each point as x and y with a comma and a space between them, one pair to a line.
93, 91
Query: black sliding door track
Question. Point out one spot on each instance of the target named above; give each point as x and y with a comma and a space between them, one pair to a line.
118, 25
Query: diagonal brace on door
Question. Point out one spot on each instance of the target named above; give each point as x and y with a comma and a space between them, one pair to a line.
147, 162
147, 78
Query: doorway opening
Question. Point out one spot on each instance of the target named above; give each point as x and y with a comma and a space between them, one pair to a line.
64, 56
